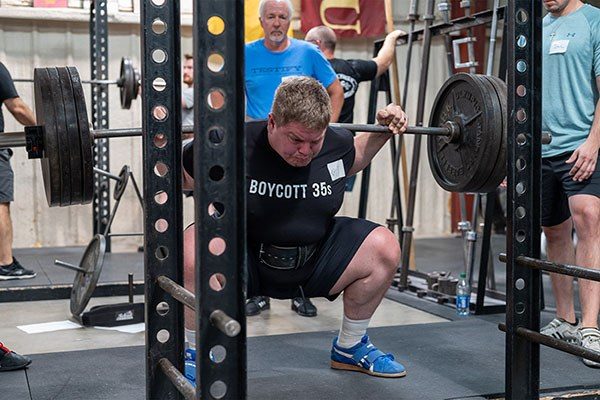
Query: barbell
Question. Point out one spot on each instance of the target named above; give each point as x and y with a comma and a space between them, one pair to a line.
128, 83
466, 144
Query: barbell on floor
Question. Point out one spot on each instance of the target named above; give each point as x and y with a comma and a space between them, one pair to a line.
128, 83
466, 147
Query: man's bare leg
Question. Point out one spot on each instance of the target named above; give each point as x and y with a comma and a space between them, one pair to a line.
586, 217
561, 250
6, 235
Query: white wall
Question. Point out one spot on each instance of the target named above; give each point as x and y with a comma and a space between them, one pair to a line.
26, 42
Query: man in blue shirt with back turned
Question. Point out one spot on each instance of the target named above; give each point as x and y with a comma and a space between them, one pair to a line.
570, 169
269, 61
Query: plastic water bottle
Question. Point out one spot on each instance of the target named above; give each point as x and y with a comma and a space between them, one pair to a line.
463, 295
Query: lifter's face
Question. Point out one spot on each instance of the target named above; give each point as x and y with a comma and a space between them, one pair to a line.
188, 72
296, 144
275, 21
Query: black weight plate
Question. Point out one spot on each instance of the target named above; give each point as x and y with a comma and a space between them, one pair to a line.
137, 83
63, 142
122, 184
127, 79
85, 283
85, 138
499, 172
494, 115
72, 134
459, 166
44, 114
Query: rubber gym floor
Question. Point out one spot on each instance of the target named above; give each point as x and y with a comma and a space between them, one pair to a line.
446, 357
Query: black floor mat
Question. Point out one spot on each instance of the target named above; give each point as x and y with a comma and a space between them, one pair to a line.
450, 360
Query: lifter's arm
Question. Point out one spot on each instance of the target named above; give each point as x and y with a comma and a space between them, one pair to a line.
366, 145
387, 52
20, 111
336, 94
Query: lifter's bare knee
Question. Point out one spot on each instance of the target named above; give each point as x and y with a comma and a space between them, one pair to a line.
386, 251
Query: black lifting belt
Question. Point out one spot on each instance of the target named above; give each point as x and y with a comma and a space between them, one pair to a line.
283, 258
188, 158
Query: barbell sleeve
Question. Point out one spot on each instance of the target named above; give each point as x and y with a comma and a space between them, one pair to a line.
88, 81
69, 266
107, 174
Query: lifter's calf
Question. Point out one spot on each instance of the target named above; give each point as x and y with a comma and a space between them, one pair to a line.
560, 249
189, 273
369, 274
365, 281
586, 217
6, 235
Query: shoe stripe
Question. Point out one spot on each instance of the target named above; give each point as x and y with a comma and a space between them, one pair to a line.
342, 353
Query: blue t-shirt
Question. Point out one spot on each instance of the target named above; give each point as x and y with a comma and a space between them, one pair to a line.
571, 63
265, 69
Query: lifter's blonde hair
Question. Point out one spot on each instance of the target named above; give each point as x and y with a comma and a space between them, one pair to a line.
304, 100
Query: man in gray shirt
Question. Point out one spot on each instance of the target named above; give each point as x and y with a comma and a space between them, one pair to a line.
187, 91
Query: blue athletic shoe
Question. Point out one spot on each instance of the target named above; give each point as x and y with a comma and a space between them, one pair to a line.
366, 358
190, 365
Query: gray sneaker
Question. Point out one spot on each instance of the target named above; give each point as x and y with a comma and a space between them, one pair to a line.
590, 339
560, 329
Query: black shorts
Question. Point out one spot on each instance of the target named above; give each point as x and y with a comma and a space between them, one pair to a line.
6, 177
558, 186
320, 273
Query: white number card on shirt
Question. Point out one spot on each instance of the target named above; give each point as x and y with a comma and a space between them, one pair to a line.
558, 46
336, 170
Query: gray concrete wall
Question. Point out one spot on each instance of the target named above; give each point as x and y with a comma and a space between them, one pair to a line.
26, 41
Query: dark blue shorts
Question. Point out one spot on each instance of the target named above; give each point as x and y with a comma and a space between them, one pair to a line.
558, 186
6, 177
320, 273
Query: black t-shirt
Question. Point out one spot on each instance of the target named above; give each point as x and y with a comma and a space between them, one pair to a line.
286, 205
7, 91
351, 73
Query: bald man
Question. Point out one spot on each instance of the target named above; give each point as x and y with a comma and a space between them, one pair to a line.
352, 72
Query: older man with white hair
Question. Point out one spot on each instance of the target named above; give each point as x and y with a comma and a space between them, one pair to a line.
275, 57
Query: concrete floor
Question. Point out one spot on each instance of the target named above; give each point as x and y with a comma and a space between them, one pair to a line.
280, 319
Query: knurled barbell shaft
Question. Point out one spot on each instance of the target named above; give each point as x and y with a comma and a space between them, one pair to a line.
17, 139
414, 130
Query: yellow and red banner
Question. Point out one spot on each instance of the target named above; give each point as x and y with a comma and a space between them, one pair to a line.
348, 18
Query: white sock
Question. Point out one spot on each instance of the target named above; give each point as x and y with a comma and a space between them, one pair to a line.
352, 331
190, 339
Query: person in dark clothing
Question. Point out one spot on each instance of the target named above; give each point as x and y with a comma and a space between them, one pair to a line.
352, 72
296, 175
10, 268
